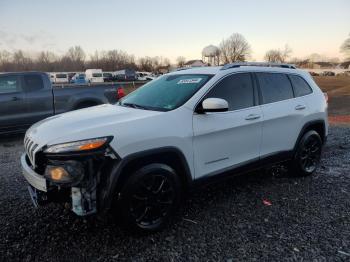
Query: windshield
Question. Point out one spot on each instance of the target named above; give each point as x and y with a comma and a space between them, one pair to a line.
166, 93
96, 75
107, 74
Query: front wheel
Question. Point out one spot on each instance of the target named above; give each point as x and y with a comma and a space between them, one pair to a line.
149, 198
307, 155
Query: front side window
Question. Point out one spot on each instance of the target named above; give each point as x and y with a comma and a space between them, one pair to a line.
166, 93
9, 84
274, 87
236, 89
301, 88
33, 82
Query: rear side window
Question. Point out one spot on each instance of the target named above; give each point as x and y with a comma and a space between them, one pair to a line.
236, 89
33, 82
301, 87
9, 84
274, 87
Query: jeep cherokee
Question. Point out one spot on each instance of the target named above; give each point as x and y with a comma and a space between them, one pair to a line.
140, 155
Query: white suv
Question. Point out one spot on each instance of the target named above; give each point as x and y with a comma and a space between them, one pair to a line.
140, 155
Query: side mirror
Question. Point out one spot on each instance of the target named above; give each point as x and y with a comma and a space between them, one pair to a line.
214, 105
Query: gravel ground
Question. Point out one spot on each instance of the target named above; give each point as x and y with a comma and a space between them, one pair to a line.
308, 219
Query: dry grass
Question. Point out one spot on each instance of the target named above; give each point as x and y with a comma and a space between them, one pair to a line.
334, 85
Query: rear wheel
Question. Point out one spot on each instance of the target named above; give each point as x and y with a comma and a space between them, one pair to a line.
307, 155
149, 198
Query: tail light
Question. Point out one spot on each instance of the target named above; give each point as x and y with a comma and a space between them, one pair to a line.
120, 93
326, 97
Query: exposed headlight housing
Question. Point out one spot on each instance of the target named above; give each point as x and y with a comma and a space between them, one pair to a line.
79, 146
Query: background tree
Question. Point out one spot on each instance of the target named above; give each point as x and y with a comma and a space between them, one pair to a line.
180, 61
345, 48
235, 48
277, 55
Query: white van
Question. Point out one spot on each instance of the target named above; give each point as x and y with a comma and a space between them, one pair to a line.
94, 75
61, 78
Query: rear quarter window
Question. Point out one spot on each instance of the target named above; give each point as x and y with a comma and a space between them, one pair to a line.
301, 87
33, 82
274, 87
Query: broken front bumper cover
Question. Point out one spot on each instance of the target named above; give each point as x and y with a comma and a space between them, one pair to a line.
83, 201
34, 179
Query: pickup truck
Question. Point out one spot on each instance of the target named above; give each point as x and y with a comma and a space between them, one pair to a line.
28, 97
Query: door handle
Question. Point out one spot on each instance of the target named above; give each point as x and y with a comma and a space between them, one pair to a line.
252, 117
300, 107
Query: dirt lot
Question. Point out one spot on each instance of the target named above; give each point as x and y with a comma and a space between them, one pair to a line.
338, 89
309, 219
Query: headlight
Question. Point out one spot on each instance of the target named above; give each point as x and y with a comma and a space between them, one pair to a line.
78, 146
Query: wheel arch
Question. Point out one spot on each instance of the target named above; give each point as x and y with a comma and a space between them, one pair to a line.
317, 125
171, 156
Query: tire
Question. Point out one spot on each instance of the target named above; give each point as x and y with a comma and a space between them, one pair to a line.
307, 155
149, 198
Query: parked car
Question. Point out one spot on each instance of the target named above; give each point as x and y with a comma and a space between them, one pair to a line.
61, 78
314, 73
141, 76
52, 77
141, 155
328, 73
94, 75
70, 76
28, 97
125, 75
107, 77
79, 79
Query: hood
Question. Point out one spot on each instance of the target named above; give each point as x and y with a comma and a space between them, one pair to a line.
97, 121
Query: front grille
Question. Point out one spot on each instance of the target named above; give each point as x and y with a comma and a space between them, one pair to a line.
30, 147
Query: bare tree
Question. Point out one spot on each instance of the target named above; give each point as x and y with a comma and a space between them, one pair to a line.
235, 48
277, 55
345, 47
181, 61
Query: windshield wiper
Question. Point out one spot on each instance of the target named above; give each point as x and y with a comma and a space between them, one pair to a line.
134, 106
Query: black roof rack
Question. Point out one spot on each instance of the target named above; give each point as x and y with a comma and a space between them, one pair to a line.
263, 64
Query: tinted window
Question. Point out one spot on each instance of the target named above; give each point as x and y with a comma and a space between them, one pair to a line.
96, 75
236, 89
301, 88
33, 82
274, 87
9, 84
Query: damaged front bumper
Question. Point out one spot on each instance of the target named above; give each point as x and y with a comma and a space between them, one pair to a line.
82, 196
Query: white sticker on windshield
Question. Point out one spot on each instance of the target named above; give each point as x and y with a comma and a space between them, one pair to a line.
189, 81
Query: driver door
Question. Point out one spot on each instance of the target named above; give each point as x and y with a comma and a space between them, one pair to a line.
225, 140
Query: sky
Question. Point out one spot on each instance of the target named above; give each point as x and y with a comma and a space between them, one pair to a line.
174, 28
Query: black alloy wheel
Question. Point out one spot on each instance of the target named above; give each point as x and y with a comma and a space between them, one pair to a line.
150, 197
308, 154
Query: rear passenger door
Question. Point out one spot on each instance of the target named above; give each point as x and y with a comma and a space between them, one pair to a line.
39, 97
12, 103
283, 113
224, 140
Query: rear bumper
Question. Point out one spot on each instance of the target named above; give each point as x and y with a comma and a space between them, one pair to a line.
34, 179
